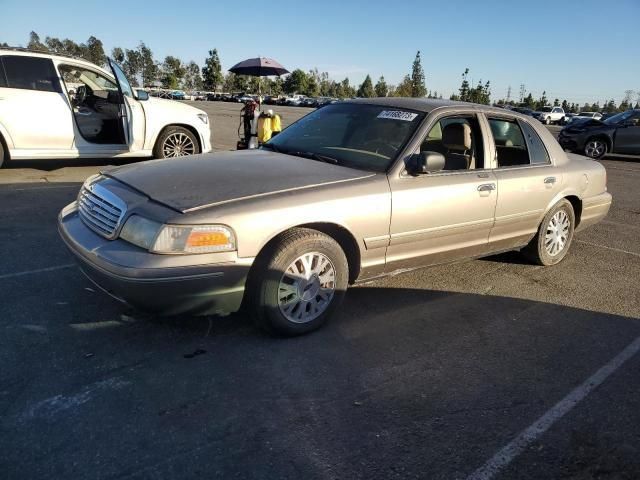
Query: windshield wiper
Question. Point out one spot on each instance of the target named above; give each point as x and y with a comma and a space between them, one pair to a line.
314, 156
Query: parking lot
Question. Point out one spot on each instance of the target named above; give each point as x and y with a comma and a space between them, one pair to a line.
430, 374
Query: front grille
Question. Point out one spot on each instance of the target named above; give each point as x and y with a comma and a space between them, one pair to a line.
100, 210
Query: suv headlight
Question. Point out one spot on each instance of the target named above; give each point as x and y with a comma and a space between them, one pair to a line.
177, 239
204, 118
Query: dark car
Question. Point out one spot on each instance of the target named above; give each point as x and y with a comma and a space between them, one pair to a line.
523, 110
594, 138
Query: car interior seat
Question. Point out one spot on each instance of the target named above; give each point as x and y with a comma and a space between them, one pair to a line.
456, 138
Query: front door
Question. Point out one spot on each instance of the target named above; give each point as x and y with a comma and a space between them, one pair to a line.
34, 109
446, 215
627, 139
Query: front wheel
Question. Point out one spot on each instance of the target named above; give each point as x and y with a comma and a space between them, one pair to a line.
551, 243
547, 121
595, 148
299, 283
176, 142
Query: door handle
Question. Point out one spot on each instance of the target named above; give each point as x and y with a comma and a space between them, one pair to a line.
486, 188
549, 181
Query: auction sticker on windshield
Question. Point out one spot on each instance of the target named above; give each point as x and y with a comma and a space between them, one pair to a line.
397, 115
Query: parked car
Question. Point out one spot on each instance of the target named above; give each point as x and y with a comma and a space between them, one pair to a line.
309, 102
523, 110
295, 100
549, 115
595, 138
353, 191
104, 117
568, 117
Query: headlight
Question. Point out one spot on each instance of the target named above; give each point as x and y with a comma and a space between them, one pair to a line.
204, 117
140, 231
194, 239
158, 238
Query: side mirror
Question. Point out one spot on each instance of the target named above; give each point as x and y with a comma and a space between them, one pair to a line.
142, 95
430, 162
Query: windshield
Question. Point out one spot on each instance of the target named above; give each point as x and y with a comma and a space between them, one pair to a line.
545, 109
368, 137
620, 117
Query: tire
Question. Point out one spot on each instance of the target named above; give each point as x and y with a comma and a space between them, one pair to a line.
595, 148
547, 121
551, 235
175, 142
286, 289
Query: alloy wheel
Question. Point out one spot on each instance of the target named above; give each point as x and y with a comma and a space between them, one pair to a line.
307, 287
595, 148
557, 233
178, 144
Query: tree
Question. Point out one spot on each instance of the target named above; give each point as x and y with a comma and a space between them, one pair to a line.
212, 71
418, 87
192, 77
529, 102
403, 89
296, 82
118, 55
35, 43
313, 83
366, 89
610, 107
565, 106
148, 67
132, 66
172, 72
464, 87
556, 102
381, 87
543, 100
94, 51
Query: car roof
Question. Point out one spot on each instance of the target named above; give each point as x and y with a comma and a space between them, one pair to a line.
25, 52
423, 104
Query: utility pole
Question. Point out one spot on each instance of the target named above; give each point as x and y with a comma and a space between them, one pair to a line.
509, 94
522, 92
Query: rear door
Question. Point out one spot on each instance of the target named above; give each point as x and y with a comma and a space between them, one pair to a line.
527, 181
33, 108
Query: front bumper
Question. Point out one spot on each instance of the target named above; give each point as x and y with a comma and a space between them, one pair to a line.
571, 142
162, 284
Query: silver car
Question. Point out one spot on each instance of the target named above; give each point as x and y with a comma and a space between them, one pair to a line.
350, 192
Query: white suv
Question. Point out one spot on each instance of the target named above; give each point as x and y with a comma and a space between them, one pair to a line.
59, 107
549, 114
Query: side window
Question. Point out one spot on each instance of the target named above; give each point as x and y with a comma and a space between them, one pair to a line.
3, 78
30, 73
511, 148
538, 151
459, 139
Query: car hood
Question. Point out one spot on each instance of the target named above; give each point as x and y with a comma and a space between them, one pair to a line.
155, 103
191, 183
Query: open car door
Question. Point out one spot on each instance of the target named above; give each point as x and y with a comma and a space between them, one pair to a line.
124, 87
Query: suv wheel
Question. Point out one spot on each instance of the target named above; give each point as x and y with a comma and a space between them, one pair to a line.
299, 283
595, 148
551, 243
176, 142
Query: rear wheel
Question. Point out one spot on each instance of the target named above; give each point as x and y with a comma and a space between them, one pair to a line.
176, 142
2, 153
595, 148
551, 243
299, 283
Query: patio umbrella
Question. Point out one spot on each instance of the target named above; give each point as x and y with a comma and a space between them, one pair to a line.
259, 67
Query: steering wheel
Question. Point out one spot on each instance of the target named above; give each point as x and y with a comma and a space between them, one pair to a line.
381, 147
80, 96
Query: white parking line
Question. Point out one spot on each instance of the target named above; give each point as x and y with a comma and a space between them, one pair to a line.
514, 448
39, 270
609, 248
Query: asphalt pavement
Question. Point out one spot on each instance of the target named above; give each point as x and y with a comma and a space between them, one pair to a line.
491, 367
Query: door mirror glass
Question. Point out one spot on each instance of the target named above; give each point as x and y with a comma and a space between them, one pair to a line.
430, 162
142, 95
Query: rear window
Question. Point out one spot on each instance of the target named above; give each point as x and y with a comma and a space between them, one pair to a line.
537, 151
30, 73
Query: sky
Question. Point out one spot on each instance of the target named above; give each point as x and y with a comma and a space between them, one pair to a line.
579, 50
